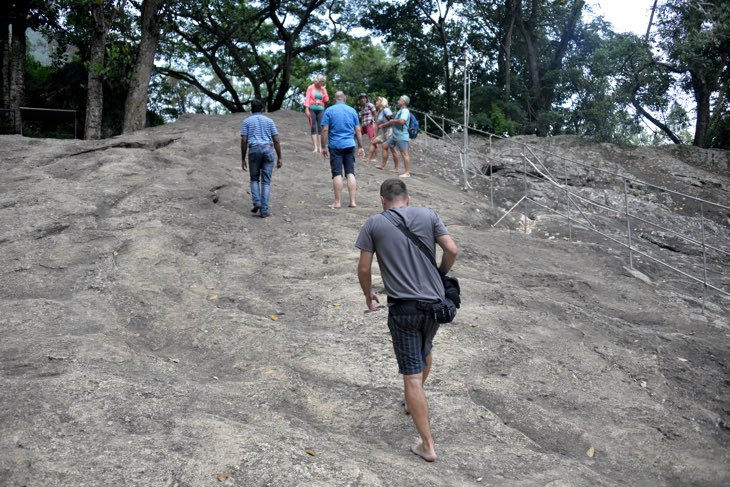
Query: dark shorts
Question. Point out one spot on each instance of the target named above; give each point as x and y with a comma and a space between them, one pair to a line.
316, 117
340, 158
412, 335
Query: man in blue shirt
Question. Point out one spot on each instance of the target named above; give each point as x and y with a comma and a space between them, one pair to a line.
258, 137
340, 129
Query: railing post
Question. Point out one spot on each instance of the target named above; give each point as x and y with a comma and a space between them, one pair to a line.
425, 127
524, 170
704, 254
570, 205
491, 183
628, 222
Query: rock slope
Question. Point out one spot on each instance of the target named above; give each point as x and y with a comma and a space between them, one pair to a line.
155, 333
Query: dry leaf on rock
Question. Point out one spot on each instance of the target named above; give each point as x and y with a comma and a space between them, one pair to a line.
213, 297
310, 452
591, 452
174, 360
275, 317
222, 477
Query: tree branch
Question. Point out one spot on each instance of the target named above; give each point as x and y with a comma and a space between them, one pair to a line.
192, 80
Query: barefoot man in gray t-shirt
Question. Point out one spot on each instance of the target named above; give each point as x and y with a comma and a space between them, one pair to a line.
411, 282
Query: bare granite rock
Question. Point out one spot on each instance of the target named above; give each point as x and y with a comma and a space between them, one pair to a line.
154, 332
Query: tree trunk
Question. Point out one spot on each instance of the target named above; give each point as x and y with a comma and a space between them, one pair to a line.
447, 62
505, 48
95, 87
17, 69
543, 92
4, 62
533, 63
702, 96
135, 108
278, 100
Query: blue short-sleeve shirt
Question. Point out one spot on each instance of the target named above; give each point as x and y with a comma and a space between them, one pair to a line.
342, 120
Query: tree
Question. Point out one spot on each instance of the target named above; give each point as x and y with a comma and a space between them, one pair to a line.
695, 37
261, 42
103, 13
545, 55
427, 37
135, 109
20, 10
357, 65
4, 59
23, 14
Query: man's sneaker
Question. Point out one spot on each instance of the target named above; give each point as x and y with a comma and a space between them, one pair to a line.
255, 209
264, 215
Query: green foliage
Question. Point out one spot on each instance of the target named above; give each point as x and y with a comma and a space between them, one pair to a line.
359, 66
581, 78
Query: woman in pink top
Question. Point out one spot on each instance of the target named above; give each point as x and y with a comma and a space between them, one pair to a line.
314, 102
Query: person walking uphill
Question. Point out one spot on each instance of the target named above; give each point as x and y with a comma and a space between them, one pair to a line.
258, 137
400, 138
340, 131
411, 281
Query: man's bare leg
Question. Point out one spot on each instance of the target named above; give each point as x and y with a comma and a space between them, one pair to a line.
427, 368
418, 405
426, 371
407, 164
351, 188
337, 187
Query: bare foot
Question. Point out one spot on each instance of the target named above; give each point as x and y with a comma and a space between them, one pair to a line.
394, 170
419, 449
352, 205
335, 206
315, 151
379, 167
405, 175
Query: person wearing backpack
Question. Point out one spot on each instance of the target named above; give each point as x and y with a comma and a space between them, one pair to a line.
400, 138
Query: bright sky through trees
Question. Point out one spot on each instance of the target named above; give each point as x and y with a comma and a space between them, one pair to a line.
625, 15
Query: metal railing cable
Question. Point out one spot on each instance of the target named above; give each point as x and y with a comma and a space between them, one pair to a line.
533, 156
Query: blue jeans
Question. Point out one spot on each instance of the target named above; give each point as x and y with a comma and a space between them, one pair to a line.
260, 168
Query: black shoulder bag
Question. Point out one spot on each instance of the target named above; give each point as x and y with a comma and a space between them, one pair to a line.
445, 310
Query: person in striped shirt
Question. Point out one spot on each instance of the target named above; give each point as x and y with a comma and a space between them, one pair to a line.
259, 138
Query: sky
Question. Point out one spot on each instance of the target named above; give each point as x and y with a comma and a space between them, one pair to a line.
625, 15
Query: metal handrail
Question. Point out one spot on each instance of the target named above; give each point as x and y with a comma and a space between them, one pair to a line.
531, 147
574, 198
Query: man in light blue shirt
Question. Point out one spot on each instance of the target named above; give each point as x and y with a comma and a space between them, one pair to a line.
340, 130
258, 137
400, 139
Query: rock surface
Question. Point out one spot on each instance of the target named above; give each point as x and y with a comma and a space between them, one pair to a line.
154, 332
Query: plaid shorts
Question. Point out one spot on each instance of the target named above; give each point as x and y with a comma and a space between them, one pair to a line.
412, 335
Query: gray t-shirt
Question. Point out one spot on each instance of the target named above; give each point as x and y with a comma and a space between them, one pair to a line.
406, 271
